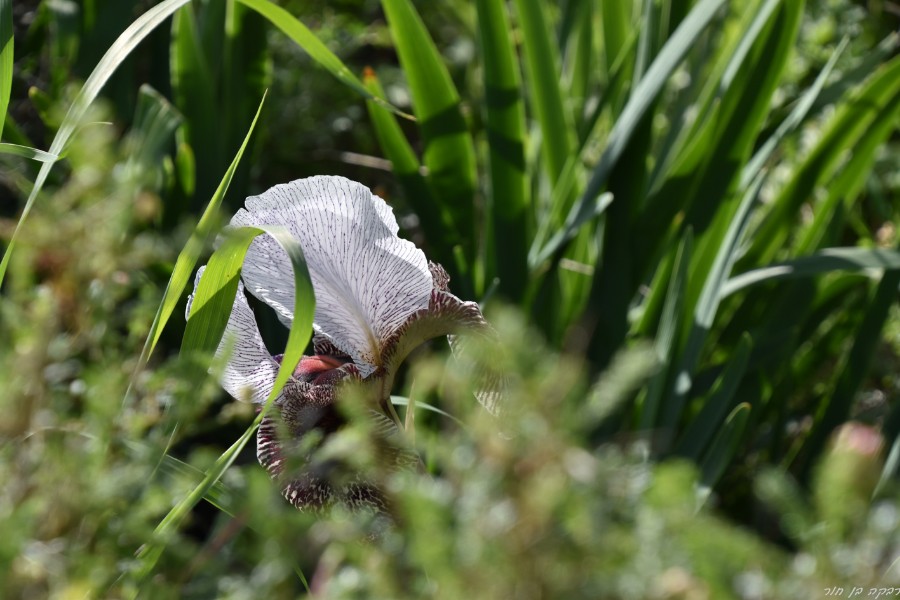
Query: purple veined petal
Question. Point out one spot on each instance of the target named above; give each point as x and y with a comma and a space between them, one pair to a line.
250, 370
368, 282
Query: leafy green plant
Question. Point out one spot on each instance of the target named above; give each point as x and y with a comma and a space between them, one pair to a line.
686, 200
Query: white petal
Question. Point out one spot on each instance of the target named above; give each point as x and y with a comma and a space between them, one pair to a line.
250, 370
367, 280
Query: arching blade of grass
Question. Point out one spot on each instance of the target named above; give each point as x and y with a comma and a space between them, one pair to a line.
841, 192
704, 426
644, 95
155, 123
121, 48
824, 261
449, 151
723, 449
6, 58
543, 68
793, 120
187, 258
746, 90
707, 305
303, 37
505, 125
209, 314
26, 152
401, 401
666, 343
850, 124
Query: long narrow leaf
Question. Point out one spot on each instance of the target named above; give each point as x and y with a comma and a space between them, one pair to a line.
707, 305
187, 258
26, 152
722, 450
505, 124
303, 37
825, 261
851, 376
408, 171
542, 65
665, 344
121, 48
705, 425
794, 119
206, 323
670, 56
6, 58
449, 151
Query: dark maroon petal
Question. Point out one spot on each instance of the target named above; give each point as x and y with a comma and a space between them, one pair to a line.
439, 278
446, 315
306, 407
323, 345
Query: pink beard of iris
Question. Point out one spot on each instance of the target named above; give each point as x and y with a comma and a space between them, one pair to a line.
319, 368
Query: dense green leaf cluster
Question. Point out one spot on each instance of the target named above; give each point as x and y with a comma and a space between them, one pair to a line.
680, 216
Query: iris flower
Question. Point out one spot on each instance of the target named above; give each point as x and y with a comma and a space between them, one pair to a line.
377, 298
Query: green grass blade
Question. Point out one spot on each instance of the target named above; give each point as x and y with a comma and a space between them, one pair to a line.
715, 409
856, 366
708, 303
546, 93
401, 401
206, 323
303, 37
6, 58
248, 70
194, 91
851, 122
704, 312
583, 69
793, 120
667, 335
824, 261
155, 123
505, 124
645, 93
829, 215
723, 449
748, 85
26, 152
408, 171
117, 53
213, 300
189, 255
449, 151
619, 43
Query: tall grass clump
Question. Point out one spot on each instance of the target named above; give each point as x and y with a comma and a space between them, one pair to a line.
679, 217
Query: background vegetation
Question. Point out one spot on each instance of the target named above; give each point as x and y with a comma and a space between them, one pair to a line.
680, 216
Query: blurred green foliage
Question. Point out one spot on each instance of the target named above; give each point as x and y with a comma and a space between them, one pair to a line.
676, 435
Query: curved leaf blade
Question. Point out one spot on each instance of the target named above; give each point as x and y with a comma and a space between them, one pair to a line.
449, 150
303, 37
640, 101
6, 58
820, 263
206, 324
117, 53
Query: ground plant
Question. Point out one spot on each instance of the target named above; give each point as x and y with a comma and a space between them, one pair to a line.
679, 222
